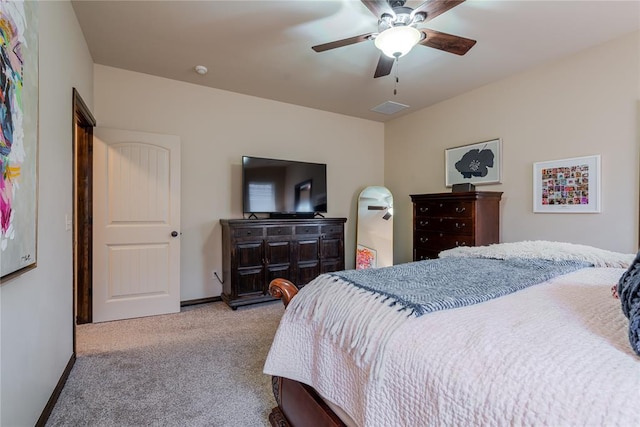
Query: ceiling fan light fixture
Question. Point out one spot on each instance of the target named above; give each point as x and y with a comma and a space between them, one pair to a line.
396, 42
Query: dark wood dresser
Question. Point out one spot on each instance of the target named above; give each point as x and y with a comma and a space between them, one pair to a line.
256, 251
446, 220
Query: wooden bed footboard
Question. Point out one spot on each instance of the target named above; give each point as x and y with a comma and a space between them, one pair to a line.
298, 404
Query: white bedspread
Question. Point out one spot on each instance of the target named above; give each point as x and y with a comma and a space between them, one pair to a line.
554, 354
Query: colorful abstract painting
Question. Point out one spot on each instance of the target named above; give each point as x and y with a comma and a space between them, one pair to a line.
365, 258
19, 137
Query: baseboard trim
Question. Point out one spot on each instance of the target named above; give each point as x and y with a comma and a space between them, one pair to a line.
200, 301
46, 412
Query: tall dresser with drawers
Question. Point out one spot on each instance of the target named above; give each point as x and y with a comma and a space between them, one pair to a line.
446, 220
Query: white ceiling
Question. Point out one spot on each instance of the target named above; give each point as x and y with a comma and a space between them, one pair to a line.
263, 48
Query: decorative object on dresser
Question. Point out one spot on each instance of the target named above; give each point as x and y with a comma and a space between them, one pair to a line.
254, 252
474, 164
567, 185
447, 220
461, 188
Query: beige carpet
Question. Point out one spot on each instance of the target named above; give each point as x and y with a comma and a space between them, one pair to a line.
200, 367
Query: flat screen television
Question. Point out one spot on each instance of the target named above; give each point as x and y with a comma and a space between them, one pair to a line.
283, 188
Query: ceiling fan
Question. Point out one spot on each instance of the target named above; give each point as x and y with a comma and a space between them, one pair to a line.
398, 32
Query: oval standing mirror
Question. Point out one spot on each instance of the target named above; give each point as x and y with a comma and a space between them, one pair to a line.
375, 228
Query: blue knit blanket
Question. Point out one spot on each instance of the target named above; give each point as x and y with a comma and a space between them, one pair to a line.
629, 293
439, 284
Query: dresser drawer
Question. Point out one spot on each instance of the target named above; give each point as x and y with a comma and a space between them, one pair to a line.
307, 229
248, 232
448, 225
420, 254
332, 229
435, 240
279, 231
453, 209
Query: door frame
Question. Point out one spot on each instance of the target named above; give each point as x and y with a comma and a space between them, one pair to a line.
83, 124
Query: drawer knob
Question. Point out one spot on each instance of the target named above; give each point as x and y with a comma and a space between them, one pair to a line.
424, 209
424, 239
458, 225
461, 243
440, 204
460, 209
423, 223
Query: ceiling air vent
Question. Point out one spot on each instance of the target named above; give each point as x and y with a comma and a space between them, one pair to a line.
389, 107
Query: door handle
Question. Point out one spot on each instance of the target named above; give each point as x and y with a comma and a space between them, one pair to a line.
174, 234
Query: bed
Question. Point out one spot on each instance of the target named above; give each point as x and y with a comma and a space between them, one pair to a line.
554, 347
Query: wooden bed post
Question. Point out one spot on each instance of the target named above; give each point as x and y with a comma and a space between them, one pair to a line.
283, 289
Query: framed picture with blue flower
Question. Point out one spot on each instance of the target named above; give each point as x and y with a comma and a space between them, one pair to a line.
476, 164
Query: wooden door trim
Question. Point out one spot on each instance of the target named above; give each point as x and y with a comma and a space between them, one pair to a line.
83, 124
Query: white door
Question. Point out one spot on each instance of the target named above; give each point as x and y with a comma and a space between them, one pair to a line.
136, 224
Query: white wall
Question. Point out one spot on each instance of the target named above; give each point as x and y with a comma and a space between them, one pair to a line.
36, 307
579, 106
217, 128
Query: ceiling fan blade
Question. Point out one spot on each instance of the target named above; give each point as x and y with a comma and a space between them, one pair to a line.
385, 64
376, 208
379, 7
446, 42
433, 8
343, 42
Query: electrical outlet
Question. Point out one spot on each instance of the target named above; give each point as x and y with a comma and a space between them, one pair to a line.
213, 274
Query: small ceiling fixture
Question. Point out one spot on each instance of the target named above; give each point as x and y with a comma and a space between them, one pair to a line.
389, 107
201, 69
396, 42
